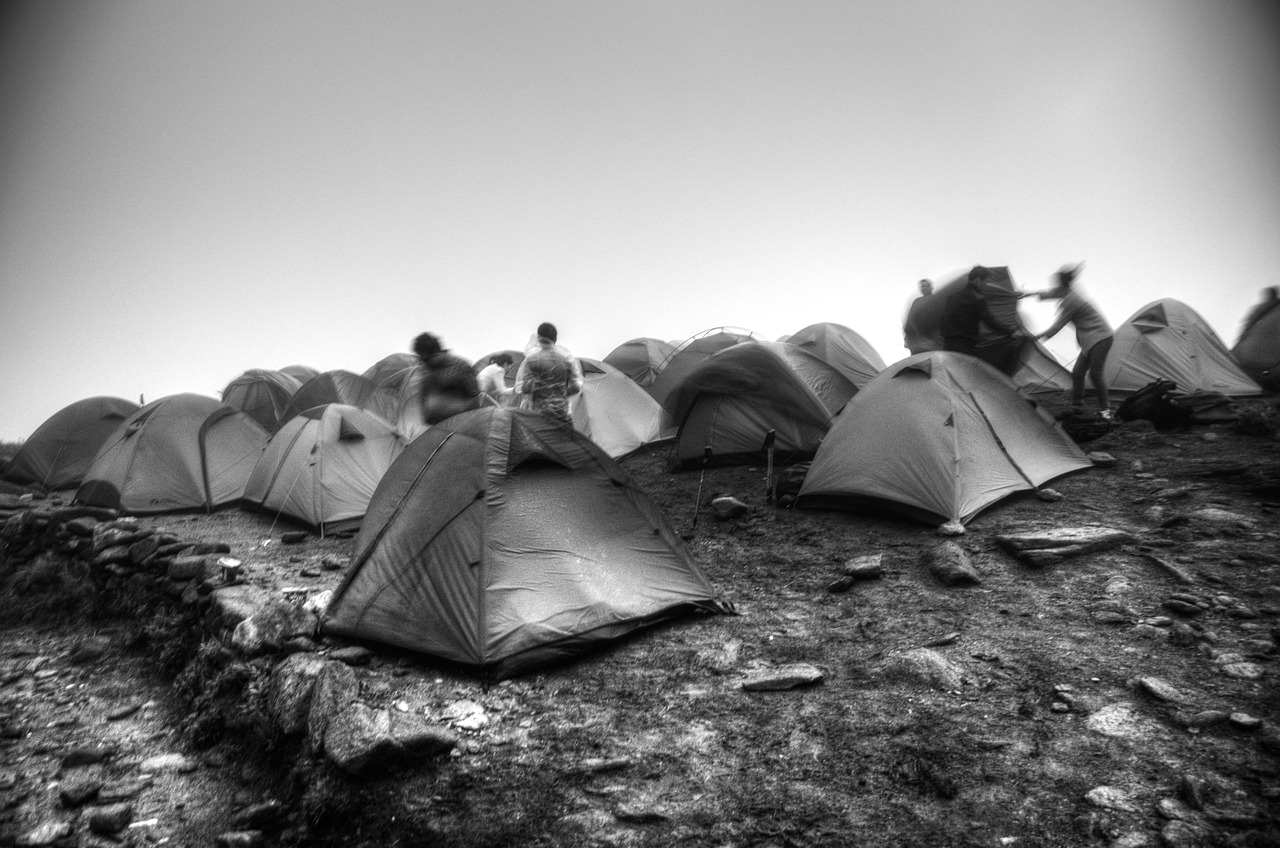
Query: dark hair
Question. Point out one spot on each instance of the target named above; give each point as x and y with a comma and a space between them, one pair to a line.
502, 359
547, 330
426, 346
979, 272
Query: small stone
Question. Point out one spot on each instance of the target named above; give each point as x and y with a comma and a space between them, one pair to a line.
44, 835
1244, 721
1181, 607
951, 528
239, 839
293, 537
868, 567
124, 711
309, 572
785, 677
264, 816
1159, 689
352, 655
168, 762
1111, 798
332, 563
110, 819
844, 584
85, 755
1049, 495
1243, 670
1208, 718
725, 508
75, 793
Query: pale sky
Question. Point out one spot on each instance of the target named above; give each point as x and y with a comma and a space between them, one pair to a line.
192, 189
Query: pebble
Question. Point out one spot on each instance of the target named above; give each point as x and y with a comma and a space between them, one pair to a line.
1244, 721
45, 834
169, 762
1159, 689
124, 711
74, 793
112, 818
352, 655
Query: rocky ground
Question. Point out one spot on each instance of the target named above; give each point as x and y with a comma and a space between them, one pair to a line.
881, 684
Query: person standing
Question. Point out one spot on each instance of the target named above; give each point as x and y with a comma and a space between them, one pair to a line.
967, 312
549, 375
1093, 335
916, 335
448, 381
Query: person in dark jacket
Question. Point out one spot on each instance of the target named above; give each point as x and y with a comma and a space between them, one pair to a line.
967, 312
448, 382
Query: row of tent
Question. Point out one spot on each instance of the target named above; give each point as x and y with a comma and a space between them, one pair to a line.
502, 540
720, 394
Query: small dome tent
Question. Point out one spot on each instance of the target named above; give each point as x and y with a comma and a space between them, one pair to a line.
61, 449
337, 386
1167, 339
837, 345
615, 413
733, 398
503, 540
689, 353
301, 373
939, 437
261, 394
390, 368
323, 465
641, 359
183, 451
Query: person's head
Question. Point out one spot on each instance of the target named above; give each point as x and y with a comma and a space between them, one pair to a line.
1066, 276
1271, 293
547, 330
503, 359
926, 287
979, 275
426, 346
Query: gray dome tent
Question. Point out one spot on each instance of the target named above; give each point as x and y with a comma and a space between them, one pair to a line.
504, 540
61, 449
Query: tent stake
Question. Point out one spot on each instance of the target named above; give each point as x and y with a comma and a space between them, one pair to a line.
769, 439
706, 459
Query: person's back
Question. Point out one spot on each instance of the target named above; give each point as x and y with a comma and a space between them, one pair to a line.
548, 376
448, 382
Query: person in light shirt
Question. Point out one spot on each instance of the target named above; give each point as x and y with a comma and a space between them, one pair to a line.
1093, 334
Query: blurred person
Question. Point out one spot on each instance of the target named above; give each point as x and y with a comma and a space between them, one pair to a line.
549, 375
967, 312
915, 337
448, 383
1093, 335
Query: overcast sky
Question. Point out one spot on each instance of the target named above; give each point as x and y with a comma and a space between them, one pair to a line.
192, 189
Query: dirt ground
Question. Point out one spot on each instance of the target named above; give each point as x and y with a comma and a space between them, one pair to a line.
1125, 697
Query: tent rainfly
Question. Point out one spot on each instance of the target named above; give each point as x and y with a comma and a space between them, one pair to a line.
641, 359
261, 394
615, 413
939, 437
503, 540
180, 452
837, 345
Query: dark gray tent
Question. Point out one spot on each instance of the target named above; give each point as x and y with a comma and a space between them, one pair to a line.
504, 540
61, 449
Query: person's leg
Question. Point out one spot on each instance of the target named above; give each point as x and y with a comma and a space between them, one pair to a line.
1097, 364
1077, 377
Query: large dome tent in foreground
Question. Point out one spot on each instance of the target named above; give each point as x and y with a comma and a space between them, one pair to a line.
503, 540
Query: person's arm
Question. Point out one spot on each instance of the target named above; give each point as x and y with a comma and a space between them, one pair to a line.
576, 379
1064, 318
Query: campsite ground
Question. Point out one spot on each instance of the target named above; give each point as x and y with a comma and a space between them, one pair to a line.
1124, 697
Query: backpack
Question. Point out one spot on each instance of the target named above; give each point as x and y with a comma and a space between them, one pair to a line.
787, 483
1084, 426
1155, 403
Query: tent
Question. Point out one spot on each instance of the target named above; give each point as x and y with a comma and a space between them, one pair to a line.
841, 347
338, 386
1037, 372
390, 368
615, 413
689, 353
504, 540
939, 437
641, 359
733, 398
61, 449
301, 373
183, 451
1167, 339
261, 394
322, 466
1258, 349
